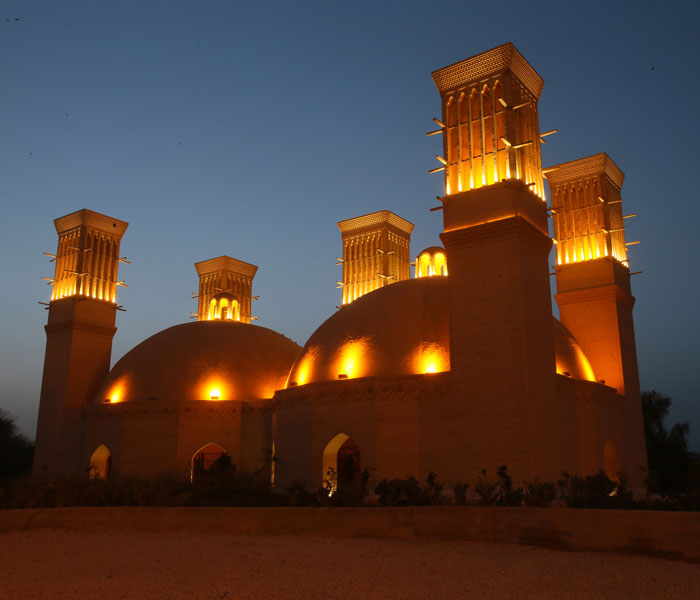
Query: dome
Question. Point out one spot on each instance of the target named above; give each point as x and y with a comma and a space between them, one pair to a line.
401, 329
204, 360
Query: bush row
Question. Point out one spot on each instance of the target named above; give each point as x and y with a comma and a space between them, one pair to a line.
224, 486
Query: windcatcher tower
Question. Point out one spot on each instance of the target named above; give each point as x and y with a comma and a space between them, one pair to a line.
225, 289
592, 274
79, 333
375, 252
497, 245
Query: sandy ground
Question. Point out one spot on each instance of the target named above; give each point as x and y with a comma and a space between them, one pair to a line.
120, 564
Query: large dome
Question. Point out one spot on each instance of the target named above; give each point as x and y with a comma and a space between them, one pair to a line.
401, 329
204, 360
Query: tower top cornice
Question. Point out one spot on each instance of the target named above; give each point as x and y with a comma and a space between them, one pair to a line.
382, 217
225, 263
585, 168
486, 64
92, 220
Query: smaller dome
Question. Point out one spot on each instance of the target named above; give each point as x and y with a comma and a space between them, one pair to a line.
431, 261
204, 360
571, 361
432, 250
400, 329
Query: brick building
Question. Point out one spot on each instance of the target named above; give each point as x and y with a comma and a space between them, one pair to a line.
461, 368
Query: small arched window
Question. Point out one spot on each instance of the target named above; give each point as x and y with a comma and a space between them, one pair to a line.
100, 463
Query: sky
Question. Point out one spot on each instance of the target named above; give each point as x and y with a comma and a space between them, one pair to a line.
252, 128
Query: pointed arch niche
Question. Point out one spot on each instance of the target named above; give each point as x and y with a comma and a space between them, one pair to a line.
341, 463
100, 463
203, 459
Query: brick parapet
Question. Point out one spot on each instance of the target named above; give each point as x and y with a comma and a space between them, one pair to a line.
608, 292
517, 225
343, 391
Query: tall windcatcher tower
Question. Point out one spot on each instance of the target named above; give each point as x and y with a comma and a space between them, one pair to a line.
489, 121
79, 332
225, 289
376, 252
497, 245
593, 279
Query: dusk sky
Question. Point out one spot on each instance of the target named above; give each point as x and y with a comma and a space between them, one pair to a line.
251, 129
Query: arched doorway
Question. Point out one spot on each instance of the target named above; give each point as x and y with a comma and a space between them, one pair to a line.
204, 458
341, 463
100, 463
611, 463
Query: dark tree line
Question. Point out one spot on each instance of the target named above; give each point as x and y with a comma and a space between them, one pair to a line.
673, 468
16, 450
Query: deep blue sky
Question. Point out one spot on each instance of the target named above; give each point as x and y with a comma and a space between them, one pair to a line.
250, 129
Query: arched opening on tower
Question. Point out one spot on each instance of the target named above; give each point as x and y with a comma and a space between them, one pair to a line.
341, 463
440, 264
100, 463
235, 311
207, 456
611, 464
423, 265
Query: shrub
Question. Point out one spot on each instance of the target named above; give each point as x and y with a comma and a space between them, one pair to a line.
410, 492
459, 490
594, 491
539, 493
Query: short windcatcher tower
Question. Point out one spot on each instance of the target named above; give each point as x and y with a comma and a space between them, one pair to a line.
375, 252
225, 289
593, 279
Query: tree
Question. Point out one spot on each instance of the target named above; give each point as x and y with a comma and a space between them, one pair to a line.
671, 464
16, 451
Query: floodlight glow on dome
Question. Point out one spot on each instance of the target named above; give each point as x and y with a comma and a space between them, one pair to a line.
303, 371
115, 394
433, 358
581, 362
214, 388
353, 359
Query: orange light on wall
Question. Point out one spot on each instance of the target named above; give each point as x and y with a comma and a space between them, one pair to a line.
117, 393
303, 371
582, 366
432, 358
215, 388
